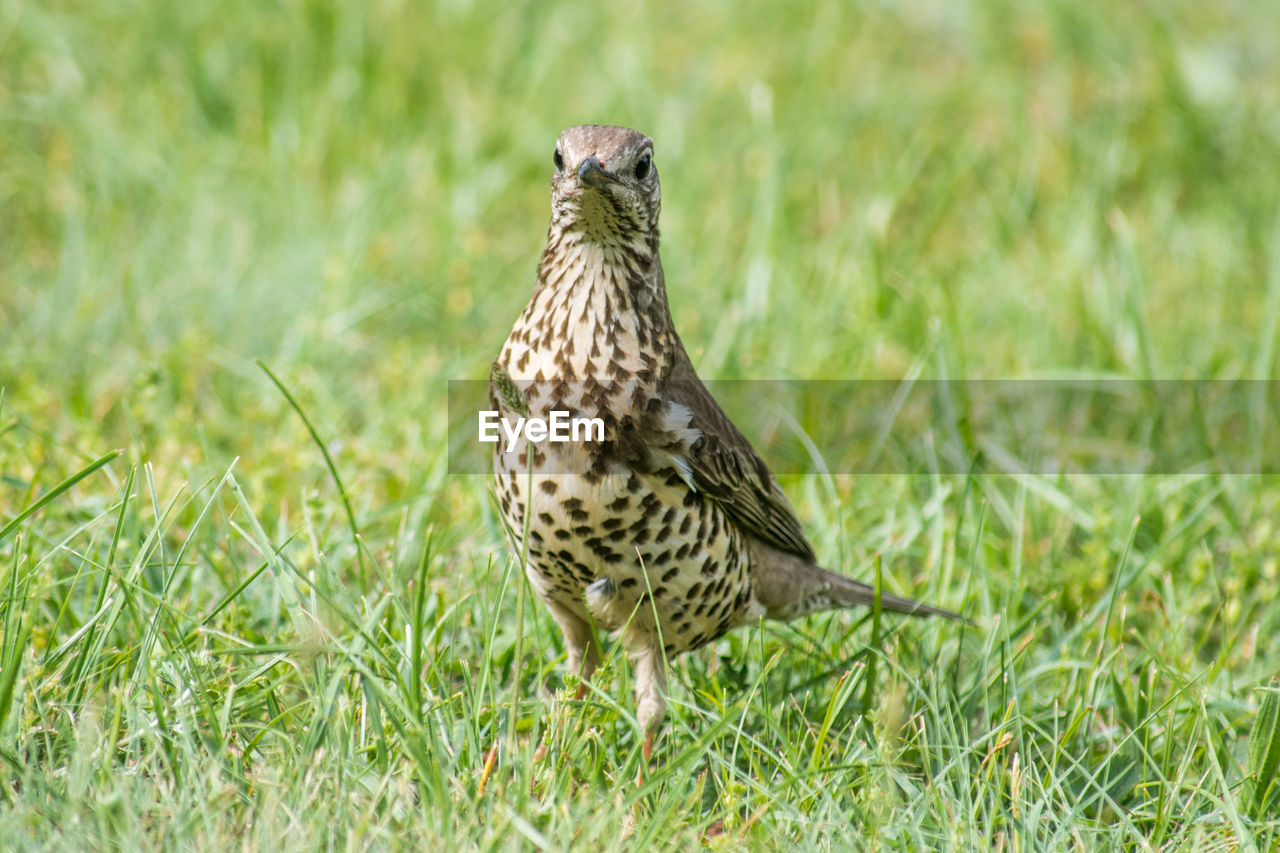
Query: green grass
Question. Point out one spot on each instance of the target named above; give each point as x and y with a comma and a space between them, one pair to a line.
208, 643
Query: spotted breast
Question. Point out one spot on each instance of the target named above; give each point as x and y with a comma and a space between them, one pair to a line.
671, 530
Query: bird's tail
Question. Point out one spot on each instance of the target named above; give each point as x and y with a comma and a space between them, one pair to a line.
847, 592
790, 586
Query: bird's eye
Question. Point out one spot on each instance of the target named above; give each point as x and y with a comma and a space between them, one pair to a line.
642, 167
558, 159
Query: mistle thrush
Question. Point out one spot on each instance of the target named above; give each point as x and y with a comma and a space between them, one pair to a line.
671, 531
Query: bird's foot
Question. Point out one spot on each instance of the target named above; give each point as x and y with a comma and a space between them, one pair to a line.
646, 753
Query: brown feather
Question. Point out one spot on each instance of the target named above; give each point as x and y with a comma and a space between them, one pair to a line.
728, 470
789, 587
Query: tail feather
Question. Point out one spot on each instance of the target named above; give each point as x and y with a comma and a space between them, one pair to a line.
846, 592
790, 586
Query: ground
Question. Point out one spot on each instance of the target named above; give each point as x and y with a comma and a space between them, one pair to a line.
239, 632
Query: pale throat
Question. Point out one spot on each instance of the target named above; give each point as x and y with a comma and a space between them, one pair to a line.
600, 307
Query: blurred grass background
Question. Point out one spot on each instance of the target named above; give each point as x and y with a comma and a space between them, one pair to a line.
356, 193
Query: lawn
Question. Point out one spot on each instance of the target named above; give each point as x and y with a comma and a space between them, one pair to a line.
244, 247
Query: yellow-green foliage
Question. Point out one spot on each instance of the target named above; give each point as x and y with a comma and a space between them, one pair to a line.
194, 656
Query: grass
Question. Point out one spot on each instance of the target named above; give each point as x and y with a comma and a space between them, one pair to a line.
224, 636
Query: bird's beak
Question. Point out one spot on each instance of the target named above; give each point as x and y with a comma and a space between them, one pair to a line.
592, 173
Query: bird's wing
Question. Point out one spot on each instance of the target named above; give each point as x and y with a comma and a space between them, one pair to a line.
718, 461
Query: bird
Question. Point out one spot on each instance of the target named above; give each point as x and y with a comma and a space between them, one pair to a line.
670, 530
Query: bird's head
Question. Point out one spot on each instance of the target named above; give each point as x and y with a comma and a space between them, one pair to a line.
605, 185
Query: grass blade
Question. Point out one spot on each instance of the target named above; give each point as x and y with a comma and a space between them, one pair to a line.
328, 461
52, 495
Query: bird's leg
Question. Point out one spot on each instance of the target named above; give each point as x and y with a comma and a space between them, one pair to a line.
580, 640
651, 693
